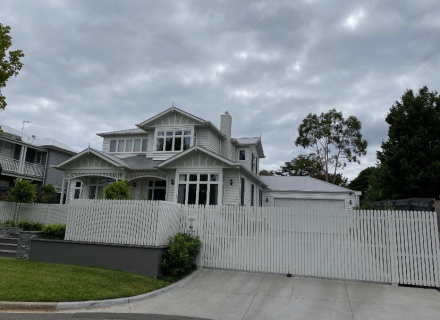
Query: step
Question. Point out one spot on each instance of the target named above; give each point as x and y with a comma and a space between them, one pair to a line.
8, 246
8, 253
9, 240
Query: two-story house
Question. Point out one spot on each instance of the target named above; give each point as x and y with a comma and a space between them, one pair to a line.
178, 157
29, 158
173, 156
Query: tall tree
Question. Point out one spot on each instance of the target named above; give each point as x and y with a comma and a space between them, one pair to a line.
10, 63
410, 158
362, 181
333, 139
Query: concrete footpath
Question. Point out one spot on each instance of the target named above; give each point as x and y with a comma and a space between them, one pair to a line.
218, 294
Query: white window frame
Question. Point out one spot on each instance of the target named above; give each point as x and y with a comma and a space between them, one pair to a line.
198, 182
174, 129
97, 185
124, 141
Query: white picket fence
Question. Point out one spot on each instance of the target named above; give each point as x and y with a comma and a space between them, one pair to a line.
133, 222
35, 212
381, 246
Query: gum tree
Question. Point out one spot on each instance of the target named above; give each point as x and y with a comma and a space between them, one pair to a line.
333, 139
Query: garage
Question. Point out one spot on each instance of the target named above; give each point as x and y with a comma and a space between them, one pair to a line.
315, 204
306, 193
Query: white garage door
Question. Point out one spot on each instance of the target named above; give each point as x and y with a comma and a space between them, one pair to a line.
311, 204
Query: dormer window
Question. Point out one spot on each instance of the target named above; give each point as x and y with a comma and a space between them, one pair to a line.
175, 140
242, 155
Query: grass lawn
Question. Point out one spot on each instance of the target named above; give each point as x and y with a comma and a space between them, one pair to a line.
38, 281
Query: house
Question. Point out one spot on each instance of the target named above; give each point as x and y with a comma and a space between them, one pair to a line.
29, 158
177, 157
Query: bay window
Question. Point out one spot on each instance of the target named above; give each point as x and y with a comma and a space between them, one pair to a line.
198, 188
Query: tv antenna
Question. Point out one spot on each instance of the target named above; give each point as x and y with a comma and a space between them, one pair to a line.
22, 128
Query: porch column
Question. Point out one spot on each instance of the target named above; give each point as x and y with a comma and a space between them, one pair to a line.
22, 159
68, 190
63, 184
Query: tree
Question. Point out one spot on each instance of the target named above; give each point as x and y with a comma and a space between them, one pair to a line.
303, 165
410, 158
118, 191
8, 66
267, 173
22, 192
333, 139
362, 181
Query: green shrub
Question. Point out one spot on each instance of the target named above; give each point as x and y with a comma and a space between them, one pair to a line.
44, 197
118, 191
180, 256
7, 224
48, 188
22, 192
54, 231
30, 226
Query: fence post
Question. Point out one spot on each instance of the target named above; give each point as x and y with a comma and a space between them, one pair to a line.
393, 247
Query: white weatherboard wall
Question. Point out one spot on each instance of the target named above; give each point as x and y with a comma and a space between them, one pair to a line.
382, 246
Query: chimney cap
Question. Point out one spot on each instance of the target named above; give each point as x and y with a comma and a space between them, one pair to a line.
226, 112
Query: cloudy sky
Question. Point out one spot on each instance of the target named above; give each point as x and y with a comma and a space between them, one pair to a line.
97, 66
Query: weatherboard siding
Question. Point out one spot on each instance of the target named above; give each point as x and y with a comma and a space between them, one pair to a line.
231, 194
55, 176
202, 137
213, 142
170, 186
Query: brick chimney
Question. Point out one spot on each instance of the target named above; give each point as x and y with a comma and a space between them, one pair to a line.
226, 128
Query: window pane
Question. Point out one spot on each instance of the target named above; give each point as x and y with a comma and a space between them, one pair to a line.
178, 133
160, 133
182, 177
187, 133
214, 177
161, 183
170, 133
213, 194
92, 192
203, 190
192, 192
78, 184
169, 144
121, 145
102, 180
128, 145
150, 194
203, 177
181, 194
76, 195
100, 194
192, 177
137, 145
144, 145
242, 155
177, 144
150, 183
252, 194
112, 145
159, 194
159, 144
186, 143
93, 180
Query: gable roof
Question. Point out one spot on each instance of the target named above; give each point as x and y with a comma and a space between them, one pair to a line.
117, 162
197, 120
300, 183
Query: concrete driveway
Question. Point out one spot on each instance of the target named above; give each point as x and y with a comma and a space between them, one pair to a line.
218, 294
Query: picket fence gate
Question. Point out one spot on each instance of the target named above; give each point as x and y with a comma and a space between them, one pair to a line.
398, 247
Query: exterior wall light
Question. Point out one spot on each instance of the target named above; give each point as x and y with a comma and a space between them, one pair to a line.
172, 182
134, 184
230, 182
350, 202
267, 199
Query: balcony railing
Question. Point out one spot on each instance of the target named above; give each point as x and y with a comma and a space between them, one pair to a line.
28, 169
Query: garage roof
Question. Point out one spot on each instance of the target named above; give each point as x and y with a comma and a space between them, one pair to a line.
300, 183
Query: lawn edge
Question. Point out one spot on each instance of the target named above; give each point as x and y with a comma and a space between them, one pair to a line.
53, 306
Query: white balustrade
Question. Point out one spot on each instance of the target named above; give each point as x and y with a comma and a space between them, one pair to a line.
29, 169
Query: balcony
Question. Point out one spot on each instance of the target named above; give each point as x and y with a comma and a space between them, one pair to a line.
26, 169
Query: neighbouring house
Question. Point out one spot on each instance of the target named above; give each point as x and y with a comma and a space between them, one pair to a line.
178, 157
29, 158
